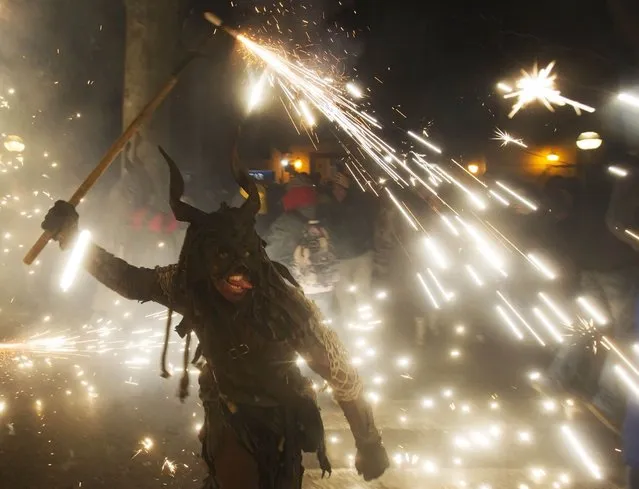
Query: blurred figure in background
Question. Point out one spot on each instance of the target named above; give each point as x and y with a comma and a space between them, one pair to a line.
299, 240
351, 216
623, 221
608, 269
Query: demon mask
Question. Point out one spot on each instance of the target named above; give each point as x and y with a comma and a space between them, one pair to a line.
221, 247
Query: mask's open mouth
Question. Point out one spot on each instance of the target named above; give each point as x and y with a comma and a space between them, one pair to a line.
238, 283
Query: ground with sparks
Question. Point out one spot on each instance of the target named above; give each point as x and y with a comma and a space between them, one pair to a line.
444, 423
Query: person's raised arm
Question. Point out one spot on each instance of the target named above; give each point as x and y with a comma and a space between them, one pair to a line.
136, 283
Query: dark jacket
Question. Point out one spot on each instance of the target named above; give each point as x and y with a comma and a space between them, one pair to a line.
352, 223
285, 233
598, 248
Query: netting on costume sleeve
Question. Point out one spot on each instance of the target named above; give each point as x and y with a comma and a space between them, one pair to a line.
326, 355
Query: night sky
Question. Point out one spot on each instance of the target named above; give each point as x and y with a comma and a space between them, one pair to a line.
438, 63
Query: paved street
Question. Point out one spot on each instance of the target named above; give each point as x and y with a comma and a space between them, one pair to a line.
445, 424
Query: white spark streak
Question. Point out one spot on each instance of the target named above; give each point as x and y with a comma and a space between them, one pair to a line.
627, 380
424, 142
548, 325
475, 276
521, 318
578, 447
610, 344
308, 115
436, 253
563, 317
75, 260
542, 267
589, 308
629, 99
257, 92
521, 199
632, 234
401, 209
354, 90
499, 198
446, 295
428, 292
449, 225
510, 323
618, 171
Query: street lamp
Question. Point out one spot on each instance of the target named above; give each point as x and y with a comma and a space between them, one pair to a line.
473, 168
554, 156
589, 140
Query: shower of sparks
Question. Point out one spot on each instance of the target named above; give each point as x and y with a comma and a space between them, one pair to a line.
169, 466
539, 85
58, 344
129, 341
507, 139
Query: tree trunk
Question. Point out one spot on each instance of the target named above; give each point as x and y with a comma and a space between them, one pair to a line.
152, 42
153, 29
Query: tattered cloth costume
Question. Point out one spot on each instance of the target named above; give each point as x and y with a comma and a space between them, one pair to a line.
250, 385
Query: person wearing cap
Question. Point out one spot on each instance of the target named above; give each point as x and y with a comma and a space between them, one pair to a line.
351, 215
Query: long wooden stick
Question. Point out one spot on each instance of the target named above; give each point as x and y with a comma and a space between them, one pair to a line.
112, 152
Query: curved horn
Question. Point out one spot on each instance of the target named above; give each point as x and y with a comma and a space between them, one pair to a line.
241, 176
182, 211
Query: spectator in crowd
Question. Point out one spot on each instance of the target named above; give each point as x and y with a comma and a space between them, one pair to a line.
351, 216
299, 240
608, 270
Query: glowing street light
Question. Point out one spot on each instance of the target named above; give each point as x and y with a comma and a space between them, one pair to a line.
552, 157
589, 140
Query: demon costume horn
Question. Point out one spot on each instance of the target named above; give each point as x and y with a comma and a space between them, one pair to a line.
183, 212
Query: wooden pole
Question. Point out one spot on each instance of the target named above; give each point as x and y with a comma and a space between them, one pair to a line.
112, 152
